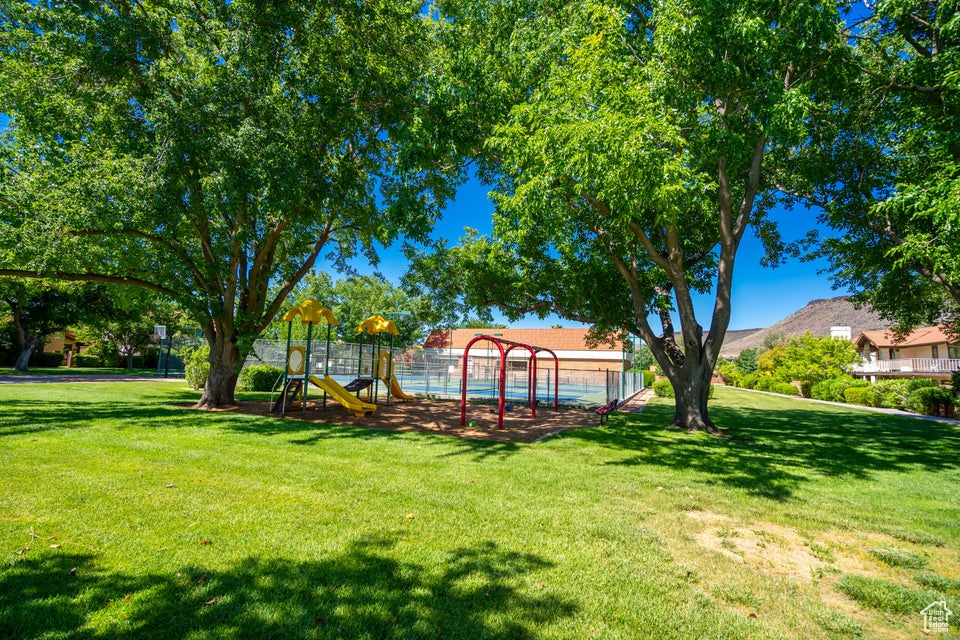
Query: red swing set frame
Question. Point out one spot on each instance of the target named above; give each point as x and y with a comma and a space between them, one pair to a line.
531, 377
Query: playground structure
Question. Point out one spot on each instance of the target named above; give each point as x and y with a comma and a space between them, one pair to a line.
531, 377
382, 367
297, 376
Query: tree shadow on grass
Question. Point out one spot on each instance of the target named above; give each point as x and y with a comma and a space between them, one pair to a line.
310, 433
307, 432
364, 591
34, 416
771, 452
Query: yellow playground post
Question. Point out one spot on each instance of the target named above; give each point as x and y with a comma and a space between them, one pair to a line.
376, 326
297, 371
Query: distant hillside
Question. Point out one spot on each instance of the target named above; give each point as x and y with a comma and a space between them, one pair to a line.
735, 335
817, 318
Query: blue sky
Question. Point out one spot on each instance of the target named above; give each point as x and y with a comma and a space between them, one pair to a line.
761, 296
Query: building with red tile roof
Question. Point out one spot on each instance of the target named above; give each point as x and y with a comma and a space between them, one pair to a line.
927, 352
570, 344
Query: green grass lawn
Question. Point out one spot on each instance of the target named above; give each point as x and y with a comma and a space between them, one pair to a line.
81, 371
123, 514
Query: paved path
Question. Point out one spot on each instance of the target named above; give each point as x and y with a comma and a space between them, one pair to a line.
637, 402
27, 378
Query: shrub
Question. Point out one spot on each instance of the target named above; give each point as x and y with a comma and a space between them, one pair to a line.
83, 360
106, 354
648, 378
955, 382
728, 373
891, 394
785, 388
932, 401
50, 359
805, 387
920, 383
863, 396
749, 381
195, 366
833, 389
663, 389
148, 360
764, 383
260, 377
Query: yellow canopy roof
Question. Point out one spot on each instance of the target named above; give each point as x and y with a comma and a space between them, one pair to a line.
310, 311
378, 324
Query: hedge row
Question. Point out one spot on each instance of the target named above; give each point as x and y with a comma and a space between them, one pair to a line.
663, 389
916, 395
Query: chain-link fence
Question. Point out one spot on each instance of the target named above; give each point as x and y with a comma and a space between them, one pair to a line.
170, 363
438, 373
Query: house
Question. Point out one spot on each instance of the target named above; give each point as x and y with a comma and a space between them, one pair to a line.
926, 352
569, 344
64, 342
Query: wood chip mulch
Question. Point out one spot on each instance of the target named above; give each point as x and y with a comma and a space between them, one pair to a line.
438, 417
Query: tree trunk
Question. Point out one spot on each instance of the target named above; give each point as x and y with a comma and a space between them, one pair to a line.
26, 350
225, 363
691, 387
130, 359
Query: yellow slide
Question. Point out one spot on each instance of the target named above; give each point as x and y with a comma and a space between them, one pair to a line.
344, 397
396, 391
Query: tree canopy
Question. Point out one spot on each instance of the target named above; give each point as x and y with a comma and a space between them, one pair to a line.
632, 166
39, 308
353, 299
215, 152
884, 163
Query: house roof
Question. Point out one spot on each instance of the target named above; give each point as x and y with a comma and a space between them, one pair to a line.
918, 337
569, 339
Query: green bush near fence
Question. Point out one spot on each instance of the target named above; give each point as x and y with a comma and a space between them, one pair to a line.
863, 396
663, 389
196, 366
260, 377
649, 377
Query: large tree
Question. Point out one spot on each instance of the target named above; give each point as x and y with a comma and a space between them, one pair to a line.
215, 151
884, 163
633, 164
39, 308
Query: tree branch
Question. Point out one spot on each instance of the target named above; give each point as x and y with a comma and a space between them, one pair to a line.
90, 277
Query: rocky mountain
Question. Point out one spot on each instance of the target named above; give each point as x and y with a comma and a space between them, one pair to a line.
817, 318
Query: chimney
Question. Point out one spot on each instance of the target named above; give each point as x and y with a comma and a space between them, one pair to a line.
841, 332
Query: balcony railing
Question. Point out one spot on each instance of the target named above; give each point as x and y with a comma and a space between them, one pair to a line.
909, 366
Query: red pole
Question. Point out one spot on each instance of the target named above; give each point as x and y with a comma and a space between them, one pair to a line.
529, 378
463, 385
501, 403
533, 400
